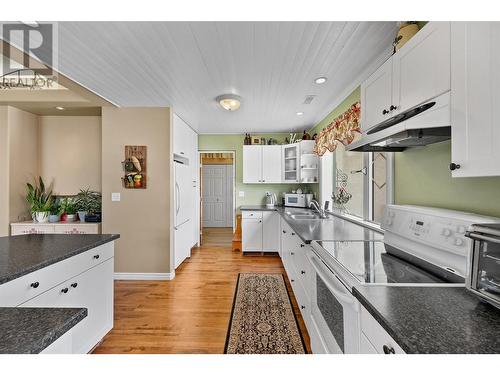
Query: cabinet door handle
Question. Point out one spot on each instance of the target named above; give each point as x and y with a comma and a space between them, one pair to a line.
385, 111
302, 272
393, 107
260, 221
96, 256
302, 307
35, 285
388, 349
64, 290
302, 245
293, 234
74, 285
454, 166
292, 253
292, 280
284, 231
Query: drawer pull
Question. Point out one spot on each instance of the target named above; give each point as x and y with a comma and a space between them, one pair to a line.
293, 234
302, 272
64, 290
388, 349
35, 285
284, 231
292, 280
302, 245
292, 253
74, 285
96, 256
302, 307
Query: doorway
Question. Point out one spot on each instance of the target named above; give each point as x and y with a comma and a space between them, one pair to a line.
217, 173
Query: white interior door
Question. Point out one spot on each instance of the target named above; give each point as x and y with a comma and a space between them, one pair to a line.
214, 196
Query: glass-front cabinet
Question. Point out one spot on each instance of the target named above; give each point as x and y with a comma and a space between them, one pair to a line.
291, 154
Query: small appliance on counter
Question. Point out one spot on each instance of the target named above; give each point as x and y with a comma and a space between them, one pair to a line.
271, 200
298, 200
483, 277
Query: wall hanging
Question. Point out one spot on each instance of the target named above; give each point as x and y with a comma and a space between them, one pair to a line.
344, 129
135, 167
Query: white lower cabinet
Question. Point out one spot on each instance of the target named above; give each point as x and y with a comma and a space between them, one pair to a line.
260, 231
63, 345
374, 338
85, 280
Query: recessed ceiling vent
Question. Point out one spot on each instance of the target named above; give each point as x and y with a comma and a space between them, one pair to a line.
309, 99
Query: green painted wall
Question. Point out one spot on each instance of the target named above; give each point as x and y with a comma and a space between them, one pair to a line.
422, 177
254, 193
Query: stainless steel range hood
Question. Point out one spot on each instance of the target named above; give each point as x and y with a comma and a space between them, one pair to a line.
418, 126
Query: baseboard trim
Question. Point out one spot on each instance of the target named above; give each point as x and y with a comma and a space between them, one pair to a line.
143, 276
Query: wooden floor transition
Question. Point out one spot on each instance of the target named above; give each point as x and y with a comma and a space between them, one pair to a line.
189, 314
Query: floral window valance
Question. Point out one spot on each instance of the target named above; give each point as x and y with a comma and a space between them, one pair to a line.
344, 129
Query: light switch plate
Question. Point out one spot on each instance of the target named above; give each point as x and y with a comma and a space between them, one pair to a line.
241, 194
115, 197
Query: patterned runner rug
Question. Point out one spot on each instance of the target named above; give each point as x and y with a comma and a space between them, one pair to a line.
262, 321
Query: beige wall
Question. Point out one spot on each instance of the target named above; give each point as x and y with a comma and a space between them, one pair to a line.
4, 167
70, 152
142, 217
23, 139
18, 163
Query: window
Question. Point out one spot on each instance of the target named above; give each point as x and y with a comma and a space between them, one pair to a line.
361, 182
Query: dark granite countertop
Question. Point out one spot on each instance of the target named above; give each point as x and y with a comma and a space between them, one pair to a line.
334, 228
433, 319
20, 255
31, 330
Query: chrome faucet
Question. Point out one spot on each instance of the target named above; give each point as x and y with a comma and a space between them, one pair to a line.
315, 205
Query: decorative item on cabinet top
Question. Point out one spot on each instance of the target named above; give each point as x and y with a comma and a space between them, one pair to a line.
135, 167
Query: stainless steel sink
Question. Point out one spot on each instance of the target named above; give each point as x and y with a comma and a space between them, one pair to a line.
305, 217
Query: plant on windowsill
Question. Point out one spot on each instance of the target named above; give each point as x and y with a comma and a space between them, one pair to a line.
39, 200
68, 209
55, 212
87, 202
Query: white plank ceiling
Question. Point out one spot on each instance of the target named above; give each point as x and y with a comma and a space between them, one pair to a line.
271, 65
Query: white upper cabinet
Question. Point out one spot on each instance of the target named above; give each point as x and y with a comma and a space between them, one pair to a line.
252, 164
262, 164
182, 137
290, 165
475, 99
271, 164
376, 96
421, 68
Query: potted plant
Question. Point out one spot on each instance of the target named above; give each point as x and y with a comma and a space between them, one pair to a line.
87, 202
39, 200
55, 212
68, 209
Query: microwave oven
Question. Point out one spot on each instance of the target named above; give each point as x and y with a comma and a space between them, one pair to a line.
483, 277
298, 200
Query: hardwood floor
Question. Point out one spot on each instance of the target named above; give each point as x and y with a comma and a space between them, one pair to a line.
189, 314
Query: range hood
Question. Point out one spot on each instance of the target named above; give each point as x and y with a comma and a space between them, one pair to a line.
418, 126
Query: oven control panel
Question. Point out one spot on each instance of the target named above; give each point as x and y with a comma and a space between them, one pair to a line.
438, 228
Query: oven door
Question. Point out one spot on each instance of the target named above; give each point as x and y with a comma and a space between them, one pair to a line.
484, 267
334, 312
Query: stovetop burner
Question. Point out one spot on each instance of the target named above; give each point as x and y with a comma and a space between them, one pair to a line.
375, 262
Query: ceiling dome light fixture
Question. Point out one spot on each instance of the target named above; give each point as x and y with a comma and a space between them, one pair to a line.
229, 102
320, 80
60, 108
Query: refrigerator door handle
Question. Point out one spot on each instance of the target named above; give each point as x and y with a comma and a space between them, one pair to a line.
178, 192
178, 226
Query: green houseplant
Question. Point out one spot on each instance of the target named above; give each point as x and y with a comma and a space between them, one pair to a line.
39, 200
69, 210
55, 211
87, 202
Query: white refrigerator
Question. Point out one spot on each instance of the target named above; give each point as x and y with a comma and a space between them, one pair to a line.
183, 202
